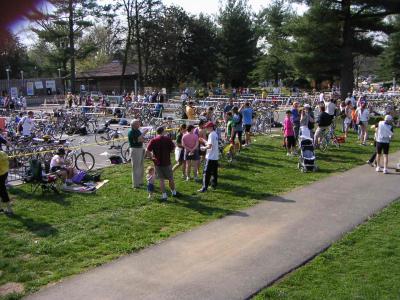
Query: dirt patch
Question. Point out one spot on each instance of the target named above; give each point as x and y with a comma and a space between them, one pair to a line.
10, 288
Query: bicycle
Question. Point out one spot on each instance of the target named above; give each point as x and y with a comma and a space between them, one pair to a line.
80, 159
125, 152
107, 135
328, 138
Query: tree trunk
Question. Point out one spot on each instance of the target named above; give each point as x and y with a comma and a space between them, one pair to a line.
126, 52
138, 44
72, 43
346, 72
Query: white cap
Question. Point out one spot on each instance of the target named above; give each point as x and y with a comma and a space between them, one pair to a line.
307, 106
388, 118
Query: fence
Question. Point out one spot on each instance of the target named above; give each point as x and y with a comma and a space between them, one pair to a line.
32, 86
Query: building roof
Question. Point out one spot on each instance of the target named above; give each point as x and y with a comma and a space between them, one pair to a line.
112, 69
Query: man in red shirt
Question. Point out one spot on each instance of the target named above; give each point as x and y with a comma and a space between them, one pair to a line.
160, 149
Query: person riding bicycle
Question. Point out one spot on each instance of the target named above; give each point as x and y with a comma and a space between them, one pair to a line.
324, 121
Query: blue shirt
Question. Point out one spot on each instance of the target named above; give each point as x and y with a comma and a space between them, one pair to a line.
237, 120
295, 115
247, 114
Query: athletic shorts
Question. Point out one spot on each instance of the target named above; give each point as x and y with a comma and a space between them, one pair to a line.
57, 168
247, 128
382, 147
290, 142
150, 187
194, 156
164, 172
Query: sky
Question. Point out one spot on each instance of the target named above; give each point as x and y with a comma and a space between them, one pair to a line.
212, 6
209, 7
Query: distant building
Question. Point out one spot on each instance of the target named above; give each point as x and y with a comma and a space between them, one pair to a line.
106, 78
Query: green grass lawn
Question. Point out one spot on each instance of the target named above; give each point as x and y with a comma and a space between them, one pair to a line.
365, 264
51, 237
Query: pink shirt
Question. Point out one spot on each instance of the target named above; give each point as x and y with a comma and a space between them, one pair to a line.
189, 141
288, 127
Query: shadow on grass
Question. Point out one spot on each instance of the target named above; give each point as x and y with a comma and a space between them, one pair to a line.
38, 228
41, 196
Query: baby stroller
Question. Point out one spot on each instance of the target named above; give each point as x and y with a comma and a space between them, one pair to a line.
307, 156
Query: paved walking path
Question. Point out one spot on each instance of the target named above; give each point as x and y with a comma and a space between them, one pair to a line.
236, 256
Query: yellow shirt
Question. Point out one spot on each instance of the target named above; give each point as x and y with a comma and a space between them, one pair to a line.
190, 113
4, 163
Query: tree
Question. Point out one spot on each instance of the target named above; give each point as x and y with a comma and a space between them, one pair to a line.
13, 56
316, 46
272, 26
103, 44
66, 24
390, 58
358, 20
172, 64
238, 42
203, 49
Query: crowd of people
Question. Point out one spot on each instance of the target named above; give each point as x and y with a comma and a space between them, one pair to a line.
197, 146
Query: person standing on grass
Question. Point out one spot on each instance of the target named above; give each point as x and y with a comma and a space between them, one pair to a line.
201, 132
324, 121
238, 128
295, 120
362, 120
4, 167
212, 156
229, 126
160, 149
190, 142
289, 134
136, 140
247, 113
383, 136
179, 151
348, 110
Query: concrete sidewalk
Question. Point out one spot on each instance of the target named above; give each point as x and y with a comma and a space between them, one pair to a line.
236, 256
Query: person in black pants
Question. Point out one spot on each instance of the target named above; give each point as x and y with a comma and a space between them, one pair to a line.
212, 156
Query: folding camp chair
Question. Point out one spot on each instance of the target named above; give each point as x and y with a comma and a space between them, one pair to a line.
38, 179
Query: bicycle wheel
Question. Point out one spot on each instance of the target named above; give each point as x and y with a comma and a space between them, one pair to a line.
102, 138
84, 161
267, 125
70, 159
324, 144
125, 152
118, 140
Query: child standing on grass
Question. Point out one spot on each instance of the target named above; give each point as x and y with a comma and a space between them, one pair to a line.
288, 132
150, 181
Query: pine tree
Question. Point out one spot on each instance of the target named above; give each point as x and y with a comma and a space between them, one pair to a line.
390, 58
273, 29
358, 21
238, 42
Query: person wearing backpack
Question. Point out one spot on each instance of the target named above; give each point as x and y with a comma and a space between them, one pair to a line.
4, 167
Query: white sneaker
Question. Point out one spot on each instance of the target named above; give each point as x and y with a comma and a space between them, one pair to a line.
187, 178
288, 154
385, 171
378, 169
